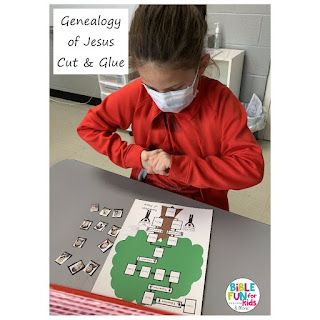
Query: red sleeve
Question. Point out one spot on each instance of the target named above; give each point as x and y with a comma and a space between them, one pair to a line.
240, 163
100, 123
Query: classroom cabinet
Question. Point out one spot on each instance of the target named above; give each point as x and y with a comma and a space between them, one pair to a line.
227, 67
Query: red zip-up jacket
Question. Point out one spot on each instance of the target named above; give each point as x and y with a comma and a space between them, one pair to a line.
212, 148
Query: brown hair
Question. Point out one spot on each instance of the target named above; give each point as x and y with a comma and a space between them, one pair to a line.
171, 35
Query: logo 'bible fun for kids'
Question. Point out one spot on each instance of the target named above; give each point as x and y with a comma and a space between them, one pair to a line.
242, 295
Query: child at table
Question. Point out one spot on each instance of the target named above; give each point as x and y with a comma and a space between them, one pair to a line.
190, 132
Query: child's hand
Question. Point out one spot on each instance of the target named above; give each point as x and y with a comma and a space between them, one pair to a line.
146, 159
161, 163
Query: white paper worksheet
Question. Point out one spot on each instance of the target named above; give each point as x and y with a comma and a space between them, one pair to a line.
159, 258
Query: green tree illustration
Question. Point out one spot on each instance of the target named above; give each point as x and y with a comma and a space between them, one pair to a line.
184, 258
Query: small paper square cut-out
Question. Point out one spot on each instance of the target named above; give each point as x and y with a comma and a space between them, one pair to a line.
100, 226
172, 241
91, 267
148, 298
176, 224
152, 237
174, 277
105, 245
145, 271
85, 225
117, 213
158, 252
114, 231
170, 212
157, 222
131, 268
94, 207
105, 212
159, 274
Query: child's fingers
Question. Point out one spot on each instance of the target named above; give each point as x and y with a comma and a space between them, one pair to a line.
155, 155
150, 170
154, 163
153, 158
153, 152
160, 166
157, 158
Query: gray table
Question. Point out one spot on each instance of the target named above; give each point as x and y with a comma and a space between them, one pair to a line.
239, 247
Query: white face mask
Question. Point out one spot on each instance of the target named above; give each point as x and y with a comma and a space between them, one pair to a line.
173, 101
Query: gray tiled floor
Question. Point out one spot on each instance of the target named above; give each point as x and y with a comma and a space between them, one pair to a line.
65, 144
